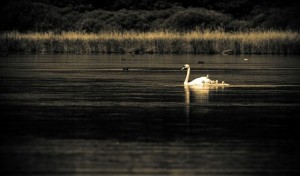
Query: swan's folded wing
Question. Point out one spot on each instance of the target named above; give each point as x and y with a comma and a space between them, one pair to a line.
201, 80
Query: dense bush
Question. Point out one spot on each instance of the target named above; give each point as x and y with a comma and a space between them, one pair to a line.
128, 20
279, 18
147, 15
190, 19
239, 25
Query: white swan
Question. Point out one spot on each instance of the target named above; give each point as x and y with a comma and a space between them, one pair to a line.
204, 80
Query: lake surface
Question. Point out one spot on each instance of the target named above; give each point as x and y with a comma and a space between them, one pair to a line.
131, 115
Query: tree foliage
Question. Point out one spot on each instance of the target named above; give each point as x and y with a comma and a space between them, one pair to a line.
145, 15
200, 18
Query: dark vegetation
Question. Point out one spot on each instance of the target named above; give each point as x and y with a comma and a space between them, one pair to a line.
148, 15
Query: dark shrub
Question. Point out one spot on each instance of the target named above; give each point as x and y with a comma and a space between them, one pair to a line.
190, 19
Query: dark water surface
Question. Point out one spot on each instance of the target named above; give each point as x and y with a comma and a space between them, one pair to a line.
89, 115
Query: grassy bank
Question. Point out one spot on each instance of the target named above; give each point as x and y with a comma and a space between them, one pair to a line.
196, 42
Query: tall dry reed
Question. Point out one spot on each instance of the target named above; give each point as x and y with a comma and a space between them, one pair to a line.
196, 42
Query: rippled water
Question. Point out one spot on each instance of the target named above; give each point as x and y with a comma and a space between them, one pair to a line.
123, 114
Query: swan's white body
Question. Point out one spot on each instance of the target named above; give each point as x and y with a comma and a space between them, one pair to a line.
204, 80
198, 81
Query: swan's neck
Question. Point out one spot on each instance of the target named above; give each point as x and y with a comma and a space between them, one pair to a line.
186, 81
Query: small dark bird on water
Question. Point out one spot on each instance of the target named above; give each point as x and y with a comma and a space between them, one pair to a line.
125, 69
227, 52
200, 62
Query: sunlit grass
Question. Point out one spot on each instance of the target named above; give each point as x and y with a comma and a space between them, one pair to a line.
197, 42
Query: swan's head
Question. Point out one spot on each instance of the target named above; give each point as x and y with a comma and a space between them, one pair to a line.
185, 66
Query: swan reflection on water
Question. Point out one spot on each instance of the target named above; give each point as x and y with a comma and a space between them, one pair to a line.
198, 96
200, 93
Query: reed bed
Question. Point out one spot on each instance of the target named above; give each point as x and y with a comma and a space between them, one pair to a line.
195, 42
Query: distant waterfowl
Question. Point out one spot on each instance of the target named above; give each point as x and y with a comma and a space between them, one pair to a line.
204, 80
227, 52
